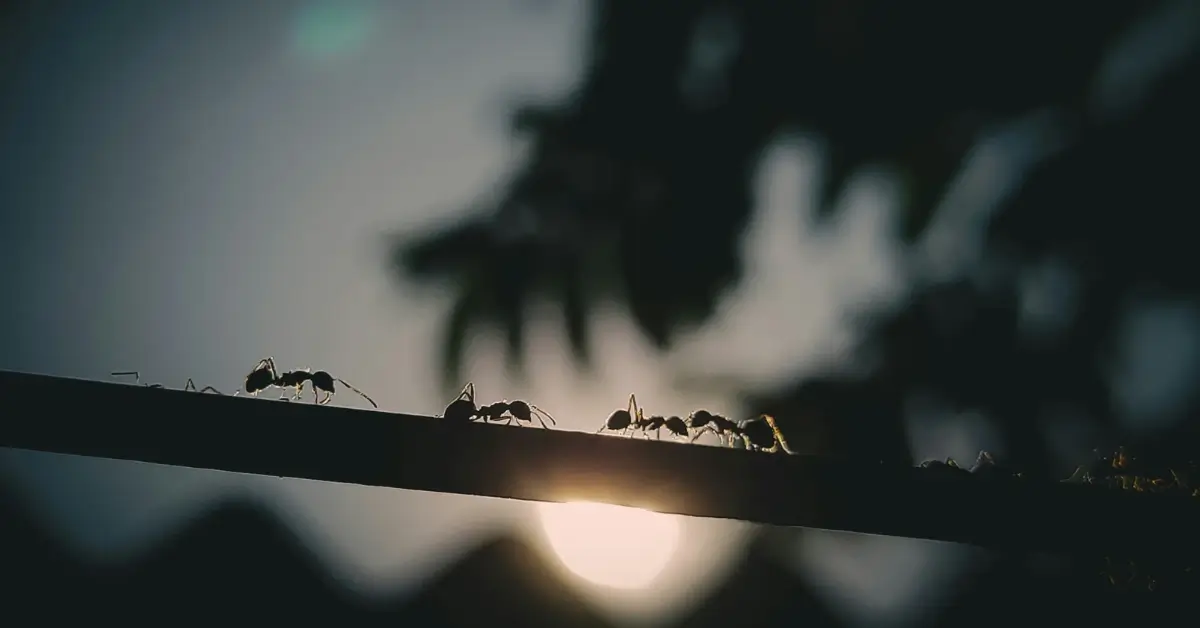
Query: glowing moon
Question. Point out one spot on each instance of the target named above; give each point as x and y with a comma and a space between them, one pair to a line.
614, 546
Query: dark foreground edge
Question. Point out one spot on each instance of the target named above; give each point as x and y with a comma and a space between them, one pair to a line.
332, 444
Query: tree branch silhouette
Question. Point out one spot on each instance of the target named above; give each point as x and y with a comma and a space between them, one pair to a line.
333, 444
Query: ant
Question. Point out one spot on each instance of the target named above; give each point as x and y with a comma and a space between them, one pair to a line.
464, 409
189, 386
674, 424
265, 375
622, 420
705, 421
761, 434
632, 418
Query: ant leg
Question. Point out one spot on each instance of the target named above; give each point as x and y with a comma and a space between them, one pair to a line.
364, 395
326, 400
208, 388
190, 385
267, 362
137, 377
1080, 475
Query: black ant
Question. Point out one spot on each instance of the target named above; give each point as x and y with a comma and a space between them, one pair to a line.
761, 434
674, 424
464, 409
189, 386
519, 411
622, 420
265, 375
705, 421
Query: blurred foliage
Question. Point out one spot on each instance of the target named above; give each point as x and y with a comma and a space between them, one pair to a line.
1119, 470
639, 186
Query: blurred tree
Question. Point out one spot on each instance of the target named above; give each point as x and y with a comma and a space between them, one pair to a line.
639, 188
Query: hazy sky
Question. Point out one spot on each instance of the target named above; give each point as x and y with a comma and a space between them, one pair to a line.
204, 183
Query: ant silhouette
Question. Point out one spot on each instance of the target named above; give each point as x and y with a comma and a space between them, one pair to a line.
265, 375
705, 422
674, 425
632, 418
622, 420
761, 434
463, 410
189, 386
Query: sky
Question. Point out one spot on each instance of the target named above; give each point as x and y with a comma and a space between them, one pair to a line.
202, 184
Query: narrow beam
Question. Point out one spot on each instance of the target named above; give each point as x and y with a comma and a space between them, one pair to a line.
333, 444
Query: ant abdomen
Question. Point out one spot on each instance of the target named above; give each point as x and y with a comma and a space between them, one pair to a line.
618, 420
460, 411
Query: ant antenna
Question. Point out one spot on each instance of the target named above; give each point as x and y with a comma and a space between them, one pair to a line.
543, 413
137, 377
364, 395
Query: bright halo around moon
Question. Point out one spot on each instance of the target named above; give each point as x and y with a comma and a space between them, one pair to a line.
614, 546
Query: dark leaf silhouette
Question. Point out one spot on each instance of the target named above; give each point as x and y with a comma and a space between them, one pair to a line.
641, 180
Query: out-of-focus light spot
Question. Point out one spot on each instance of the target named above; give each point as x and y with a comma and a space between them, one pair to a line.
614, 546
329, 30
